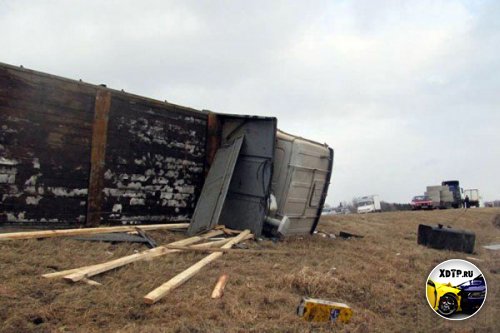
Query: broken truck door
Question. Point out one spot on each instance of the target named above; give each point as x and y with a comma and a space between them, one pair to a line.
249, 191
213, 194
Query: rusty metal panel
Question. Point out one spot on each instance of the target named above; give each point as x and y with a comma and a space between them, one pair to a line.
45, 134
209, 206
98, 154
155, 161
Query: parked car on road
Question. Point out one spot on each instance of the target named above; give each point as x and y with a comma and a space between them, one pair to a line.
421, 202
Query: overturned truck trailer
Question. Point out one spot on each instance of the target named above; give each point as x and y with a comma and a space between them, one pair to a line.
76, 154
73, 153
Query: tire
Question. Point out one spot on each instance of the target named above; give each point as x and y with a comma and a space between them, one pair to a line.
448, 305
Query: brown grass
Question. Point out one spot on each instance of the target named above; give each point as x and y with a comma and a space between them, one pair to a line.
381, 276
496, 221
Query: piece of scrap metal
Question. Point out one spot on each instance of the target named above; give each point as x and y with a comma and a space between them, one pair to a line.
117, 237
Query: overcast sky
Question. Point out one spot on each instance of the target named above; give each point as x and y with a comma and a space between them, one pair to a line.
406, 92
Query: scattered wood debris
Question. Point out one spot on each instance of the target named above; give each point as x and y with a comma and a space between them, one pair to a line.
160, 292
218, 247
211, 250
92, 270
218, 291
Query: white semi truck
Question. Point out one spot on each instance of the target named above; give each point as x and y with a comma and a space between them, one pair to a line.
368, 204
474, 198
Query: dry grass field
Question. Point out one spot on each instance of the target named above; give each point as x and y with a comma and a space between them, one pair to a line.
381, 276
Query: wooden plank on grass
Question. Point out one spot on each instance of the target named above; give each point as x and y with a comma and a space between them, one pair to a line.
219, 286
91, 282
155, 295
87, 231
88, 271
212, 250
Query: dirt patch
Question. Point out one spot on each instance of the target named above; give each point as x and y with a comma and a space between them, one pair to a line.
381, 276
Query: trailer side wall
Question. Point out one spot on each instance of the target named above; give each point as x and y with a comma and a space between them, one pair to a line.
73, 153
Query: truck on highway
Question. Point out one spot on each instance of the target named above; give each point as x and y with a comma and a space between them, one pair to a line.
447, 195
368, 204
457, 192
474, 198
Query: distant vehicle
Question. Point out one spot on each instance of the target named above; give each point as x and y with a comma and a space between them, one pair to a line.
474, 197
335, 210
328, 211
421, 202
457, 192
368, 204
447, 195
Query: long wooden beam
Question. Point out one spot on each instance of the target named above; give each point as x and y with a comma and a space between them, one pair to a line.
101, 268
144, 255
155, 295
212, 250
87, 231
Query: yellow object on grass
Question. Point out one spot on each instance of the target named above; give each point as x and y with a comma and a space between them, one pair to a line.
312, 309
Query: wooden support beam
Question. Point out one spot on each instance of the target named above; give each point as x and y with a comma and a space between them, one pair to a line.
87, 231
155, 295
214, 250
213, 244
229, 231
97, 157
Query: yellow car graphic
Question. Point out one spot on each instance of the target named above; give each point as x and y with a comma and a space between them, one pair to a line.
443, 297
